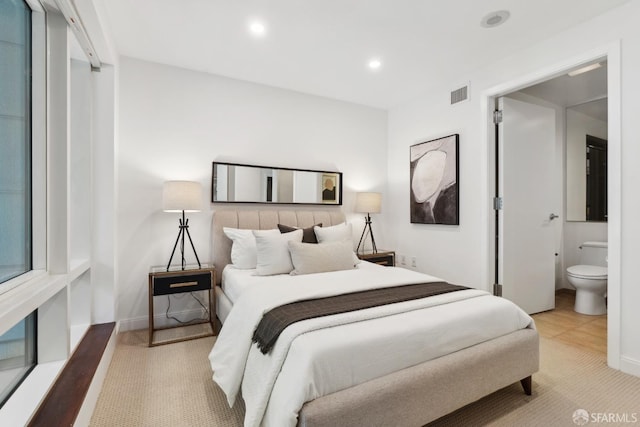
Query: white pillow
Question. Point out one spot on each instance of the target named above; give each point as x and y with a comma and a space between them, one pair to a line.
310, 258
273, 253
243, 249
334, 233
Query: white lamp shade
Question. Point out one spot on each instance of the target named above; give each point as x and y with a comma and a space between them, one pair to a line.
178, 196
368, 202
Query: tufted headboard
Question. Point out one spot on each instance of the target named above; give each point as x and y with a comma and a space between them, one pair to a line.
260, 220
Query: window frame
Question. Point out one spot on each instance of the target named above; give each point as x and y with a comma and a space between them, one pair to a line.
38, 134
37, 139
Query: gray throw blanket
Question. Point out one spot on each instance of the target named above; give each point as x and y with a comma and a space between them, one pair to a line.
277, 319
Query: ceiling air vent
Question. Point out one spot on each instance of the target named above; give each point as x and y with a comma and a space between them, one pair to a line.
460, 94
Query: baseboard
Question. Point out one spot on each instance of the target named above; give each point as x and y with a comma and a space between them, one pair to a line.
630, 366
159, 320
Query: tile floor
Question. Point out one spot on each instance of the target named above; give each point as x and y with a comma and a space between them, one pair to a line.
565, 325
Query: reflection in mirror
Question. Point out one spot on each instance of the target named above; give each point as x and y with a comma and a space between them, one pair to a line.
596, 179
237, 183
586, 161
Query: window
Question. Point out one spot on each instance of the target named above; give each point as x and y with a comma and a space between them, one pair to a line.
17, 345
15, 139
17, 355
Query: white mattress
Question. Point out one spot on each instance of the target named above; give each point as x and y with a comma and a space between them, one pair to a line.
314, 357
235, 281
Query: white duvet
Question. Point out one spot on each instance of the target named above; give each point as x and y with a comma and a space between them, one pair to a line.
319, 356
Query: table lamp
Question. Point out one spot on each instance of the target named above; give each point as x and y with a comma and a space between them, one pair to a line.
182, 196
368, 203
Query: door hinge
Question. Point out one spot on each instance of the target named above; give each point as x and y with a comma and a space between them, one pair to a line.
497, 289
497, 203
497, 116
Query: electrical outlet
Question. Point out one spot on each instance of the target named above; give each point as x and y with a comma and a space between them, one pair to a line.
403, 260
413, 262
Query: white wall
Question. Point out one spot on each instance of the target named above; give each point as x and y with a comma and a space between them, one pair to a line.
104, 200
463, 254
173, 123
80, 158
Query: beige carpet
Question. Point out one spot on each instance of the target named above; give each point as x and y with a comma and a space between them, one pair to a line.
168, 385
171, 386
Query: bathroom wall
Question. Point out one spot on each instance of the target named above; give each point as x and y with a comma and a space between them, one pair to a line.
577, 232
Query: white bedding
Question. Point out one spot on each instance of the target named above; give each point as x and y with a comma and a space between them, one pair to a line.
313, 358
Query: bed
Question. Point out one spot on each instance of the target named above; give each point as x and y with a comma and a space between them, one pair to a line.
360, 368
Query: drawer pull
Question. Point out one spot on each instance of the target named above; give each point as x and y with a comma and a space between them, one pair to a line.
182, 285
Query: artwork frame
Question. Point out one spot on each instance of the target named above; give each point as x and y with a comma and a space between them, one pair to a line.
329, 188
434, 181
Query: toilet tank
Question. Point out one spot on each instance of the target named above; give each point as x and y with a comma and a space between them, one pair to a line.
594, 253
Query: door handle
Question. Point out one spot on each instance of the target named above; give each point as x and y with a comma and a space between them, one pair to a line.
553, 216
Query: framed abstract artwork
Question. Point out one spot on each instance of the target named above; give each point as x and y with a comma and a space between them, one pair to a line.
433, 167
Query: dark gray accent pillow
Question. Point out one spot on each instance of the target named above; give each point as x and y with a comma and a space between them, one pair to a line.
308, 235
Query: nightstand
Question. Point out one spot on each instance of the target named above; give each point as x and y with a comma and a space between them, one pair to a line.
386, 258
177, 281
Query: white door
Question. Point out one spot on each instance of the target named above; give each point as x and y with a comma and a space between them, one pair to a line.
526, 149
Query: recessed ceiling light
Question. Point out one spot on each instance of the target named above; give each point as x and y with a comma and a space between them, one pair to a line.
257, 28
584, 69
375, 64
494, 19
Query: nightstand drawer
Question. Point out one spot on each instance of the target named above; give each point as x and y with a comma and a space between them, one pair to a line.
386, 258
165, 285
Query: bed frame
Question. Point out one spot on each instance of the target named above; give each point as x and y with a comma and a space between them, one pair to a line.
413, 396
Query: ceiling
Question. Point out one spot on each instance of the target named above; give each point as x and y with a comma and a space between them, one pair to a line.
596, 109
322, 47
586, 92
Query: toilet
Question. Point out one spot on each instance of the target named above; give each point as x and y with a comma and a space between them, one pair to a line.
590, 278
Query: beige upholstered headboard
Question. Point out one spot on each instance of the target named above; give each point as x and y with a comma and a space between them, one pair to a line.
260, 220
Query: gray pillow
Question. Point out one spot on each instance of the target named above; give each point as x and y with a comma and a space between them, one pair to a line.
332, 256
308, 235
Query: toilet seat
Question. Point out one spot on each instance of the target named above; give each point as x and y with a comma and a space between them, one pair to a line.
588, 271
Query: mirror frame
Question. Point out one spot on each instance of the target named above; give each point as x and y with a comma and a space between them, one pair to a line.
214, 179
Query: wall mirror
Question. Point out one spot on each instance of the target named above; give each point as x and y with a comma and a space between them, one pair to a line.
239, 183
586, 161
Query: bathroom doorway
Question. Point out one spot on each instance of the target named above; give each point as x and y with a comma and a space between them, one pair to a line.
576, 211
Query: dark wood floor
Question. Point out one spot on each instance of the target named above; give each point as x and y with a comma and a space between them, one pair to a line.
565, 325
